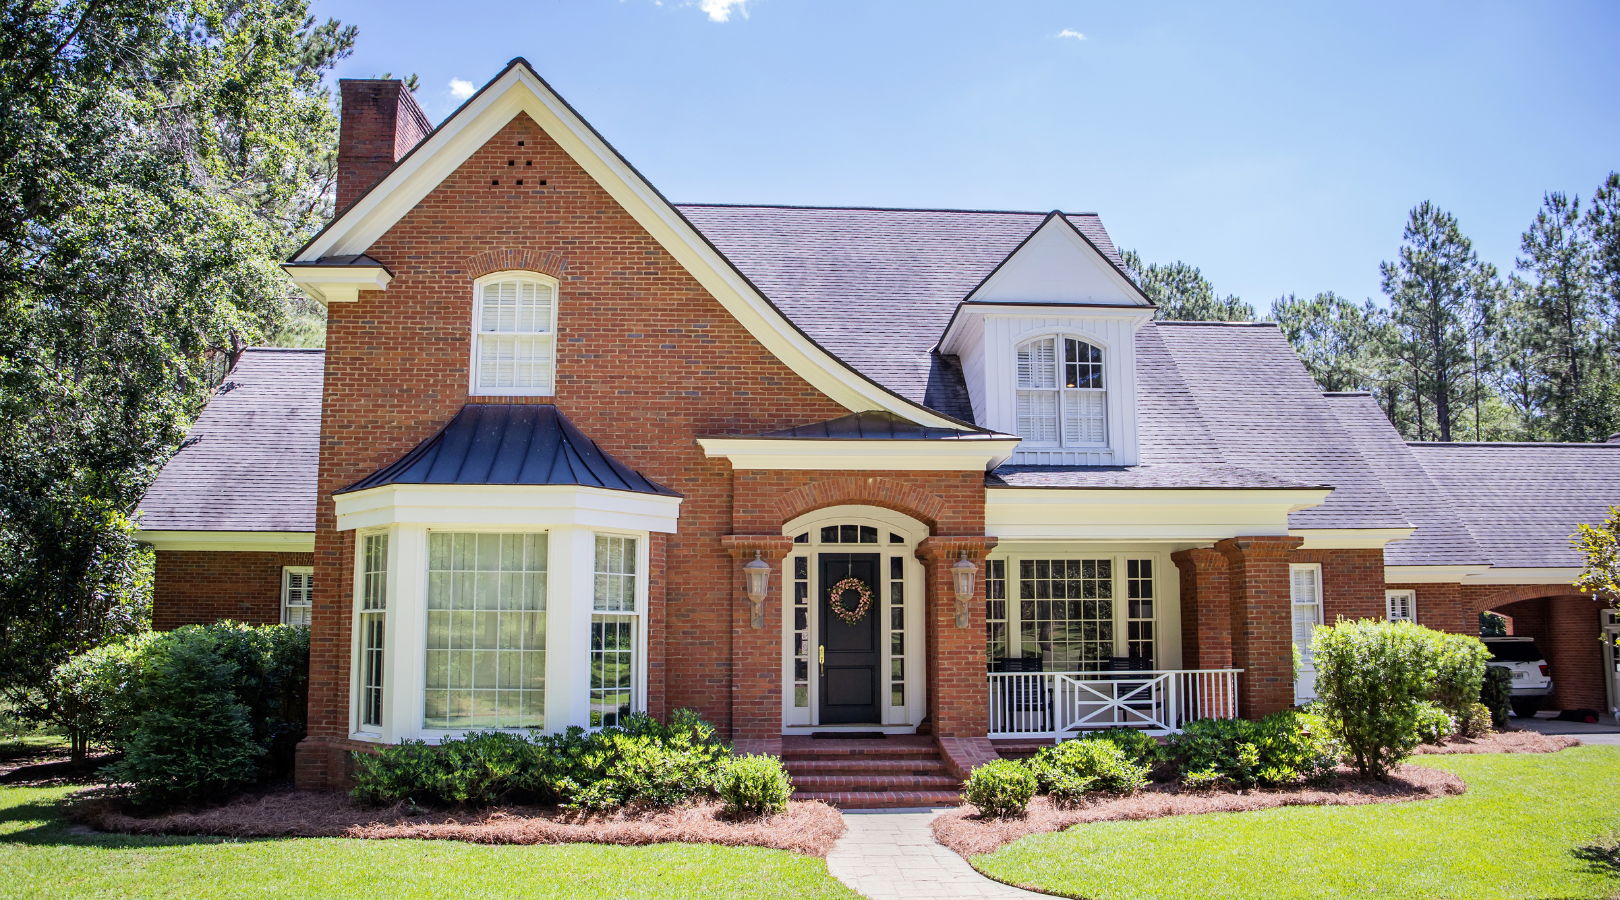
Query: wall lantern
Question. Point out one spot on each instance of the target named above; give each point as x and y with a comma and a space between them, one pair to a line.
962, 573
758, 573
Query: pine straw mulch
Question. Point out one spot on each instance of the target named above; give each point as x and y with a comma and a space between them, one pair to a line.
1501, 742
965, 832
807, 827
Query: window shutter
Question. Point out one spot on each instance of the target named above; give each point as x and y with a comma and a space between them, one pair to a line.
1037, 416
1084, 414
1037, 364
1307, 607
515, 337
1399, 605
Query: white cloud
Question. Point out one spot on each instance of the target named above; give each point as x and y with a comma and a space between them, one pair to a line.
1070, 32
720, 10
461, 90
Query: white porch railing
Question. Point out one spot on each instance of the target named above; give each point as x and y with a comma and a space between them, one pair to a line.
1057, 705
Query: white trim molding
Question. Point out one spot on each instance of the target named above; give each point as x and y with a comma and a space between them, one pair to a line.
969, 454
1111, 514
507, 506
1482, 574
254, 541
337, 284
520, 91
1349, 538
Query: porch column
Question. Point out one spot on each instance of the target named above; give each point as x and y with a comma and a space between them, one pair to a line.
1206, 622
1261, 621
956, 660
756, 653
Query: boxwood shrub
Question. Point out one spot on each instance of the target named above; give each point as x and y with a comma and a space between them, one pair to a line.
755, 785
1072, 768
1001, 787
1282, 749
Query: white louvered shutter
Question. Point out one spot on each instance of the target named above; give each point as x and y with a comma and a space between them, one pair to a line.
1307, 605
1399, 605
515, 340
1084, 414
1037, 391
296, 601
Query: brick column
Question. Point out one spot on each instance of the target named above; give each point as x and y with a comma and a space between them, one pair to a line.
756, 653
1574, 652
956, 661
1262, 621
1206, 623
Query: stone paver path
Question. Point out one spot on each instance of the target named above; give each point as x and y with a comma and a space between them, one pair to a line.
891, 854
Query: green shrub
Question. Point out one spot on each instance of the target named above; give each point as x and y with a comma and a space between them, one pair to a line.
1459, 674
1496, 694
89, 696
1375, 680
999, 788
755, 785
1139, 747
1096, 764
208, 710
1434, 724
475, 769
1479, 723
1281, 749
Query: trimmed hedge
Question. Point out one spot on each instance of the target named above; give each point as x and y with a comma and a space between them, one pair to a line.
1281, 749
1073, 768
755, 785
1375, 680
1000, 788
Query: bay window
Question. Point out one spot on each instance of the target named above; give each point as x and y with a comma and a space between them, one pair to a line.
615, 621
373, 621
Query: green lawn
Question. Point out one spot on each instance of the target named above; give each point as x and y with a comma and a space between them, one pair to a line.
41, 857
1514, 833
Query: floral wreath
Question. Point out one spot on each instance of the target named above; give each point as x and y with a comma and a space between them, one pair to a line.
835, 597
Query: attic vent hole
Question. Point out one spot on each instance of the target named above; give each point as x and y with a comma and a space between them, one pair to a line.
511, 162
520, 143
494, 181
542, 181
520, 182
528, 162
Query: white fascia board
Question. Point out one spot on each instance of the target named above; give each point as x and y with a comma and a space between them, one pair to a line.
519, 90
971, 313
1349, 538
1481, 574
506, 505
337, 284
961, 455
1009, 281
253, 541
1141, 515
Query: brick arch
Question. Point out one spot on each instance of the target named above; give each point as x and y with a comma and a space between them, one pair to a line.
1525, 592
481, 264
856, 490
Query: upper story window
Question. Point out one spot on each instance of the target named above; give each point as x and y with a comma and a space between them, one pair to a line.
1061, 399
515, 335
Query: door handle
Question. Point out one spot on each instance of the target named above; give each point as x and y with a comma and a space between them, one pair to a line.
822, 659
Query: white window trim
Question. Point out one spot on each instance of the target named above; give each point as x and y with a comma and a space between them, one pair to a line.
1411, 605
639, 636
477, 325
390, 658
1058, 338
1301, 694
286, 588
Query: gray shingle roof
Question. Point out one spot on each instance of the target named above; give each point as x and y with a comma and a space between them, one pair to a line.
1440, 538
511, 444
1520, 502
1142, 477
249, 461
876, 287
869, 426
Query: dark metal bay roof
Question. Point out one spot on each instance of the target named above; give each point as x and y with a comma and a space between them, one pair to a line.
511, 444
873, 425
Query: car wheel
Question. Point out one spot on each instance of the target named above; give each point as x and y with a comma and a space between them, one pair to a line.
1525, 707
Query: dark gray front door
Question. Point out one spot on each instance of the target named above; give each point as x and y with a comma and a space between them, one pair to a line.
852, 654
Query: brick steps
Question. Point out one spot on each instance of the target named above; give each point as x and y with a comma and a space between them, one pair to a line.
865, 773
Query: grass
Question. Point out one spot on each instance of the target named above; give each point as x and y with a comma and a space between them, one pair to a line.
1522, 830
42, 856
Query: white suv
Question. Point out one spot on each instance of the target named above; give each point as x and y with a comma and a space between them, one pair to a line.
1532, 678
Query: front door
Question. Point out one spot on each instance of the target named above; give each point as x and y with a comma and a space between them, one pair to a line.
850, 651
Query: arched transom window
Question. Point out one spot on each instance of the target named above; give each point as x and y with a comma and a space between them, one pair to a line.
514, 332
1061, 399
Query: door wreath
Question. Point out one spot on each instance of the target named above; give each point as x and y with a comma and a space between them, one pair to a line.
835, 597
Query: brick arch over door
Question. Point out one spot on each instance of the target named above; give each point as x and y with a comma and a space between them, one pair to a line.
925, 506
490, 261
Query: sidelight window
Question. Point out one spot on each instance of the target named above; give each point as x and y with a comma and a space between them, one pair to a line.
373, 621
614, 659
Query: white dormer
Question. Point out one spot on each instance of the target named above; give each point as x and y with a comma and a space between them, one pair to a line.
1048, 348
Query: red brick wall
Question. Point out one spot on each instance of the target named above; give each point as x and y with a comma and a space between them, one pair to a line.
381, 123
1206, 618
199, 587
646, 361
1352, 582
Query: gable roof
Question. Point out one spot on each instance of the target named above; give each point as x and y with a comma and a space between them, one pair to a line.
518, 89
1056, 263
877, 286
1520, 502
510, 444
249, 461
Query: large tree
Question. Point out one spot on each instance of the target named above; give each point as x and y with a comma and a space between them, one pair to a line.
1182, 292
158, 157
1437, 289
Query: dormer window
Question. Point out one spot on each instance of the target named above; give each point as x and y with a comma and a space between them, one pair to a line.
1061, 399
514, 335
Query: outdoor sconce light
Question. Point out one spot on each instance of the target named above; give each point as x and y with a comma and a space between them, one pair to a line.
758, 572
962, 573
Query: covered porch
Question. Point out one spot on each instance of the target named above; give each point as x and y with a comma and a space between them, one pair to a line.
1056, 706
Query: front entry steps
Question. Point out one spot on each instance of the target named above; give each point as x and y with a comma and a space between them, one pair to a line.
895, 772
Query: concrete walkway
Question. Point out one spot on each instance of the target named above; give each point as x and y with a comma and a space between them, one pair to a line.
891, 854
1604, 732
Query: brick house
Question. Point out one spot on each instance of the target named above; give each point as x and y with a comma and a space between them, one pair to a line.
561, 424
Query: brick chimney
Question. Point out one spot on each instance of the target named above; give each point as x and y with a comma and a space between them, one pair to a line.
381, 123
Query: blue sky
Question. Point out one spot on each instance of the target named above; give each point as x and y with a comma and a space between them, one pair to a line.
1278, 147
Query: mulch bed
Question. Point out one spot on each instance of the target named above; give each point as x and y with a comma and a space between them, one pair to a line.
807, 827
965, 832
1502, 742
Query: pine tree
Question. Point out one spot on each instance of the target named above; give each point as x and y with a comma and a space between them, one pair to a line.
1562, 303
1183, 293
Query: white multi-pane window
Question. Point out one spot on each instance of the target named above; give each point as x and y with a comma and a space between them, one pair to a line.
1401, 606
801, 631
1061, 400
995, 610
486, 631
515, 326
297, 587
1066, 612
1139, 611
1306, 590
897, 631
614, 659
373, 621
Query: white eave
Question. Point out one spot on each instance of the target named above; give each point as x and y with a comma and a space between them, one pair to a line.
1350, 538
967, 454
506, 505
1176, 514
1482, 574
520, 90
223, 541
337, 283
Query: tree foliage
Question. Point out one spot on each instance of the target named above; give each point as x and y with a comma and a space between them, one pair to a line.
1183, 293
158, 158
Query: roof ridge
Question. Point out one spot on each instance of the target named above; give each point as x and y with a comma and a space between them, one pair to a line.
1261, 323
1004, 212
1478, 444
